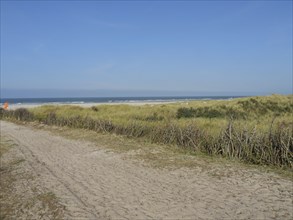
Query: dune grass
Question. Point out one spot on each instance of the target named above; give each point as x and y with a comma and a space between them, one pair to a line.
254, 129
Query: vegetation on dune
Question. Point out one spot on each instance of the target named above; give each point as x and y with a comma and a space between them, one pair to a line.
242, 109
257, 130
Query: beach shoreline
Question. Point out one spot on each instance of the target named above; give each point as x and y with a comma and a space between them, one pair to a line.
86, 102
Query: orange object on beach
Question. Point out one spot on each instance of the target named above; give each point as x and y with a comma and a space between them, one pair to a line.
5, 106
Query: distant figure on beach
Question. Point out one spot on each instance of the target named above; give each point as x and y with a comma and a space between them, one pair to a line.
5, 106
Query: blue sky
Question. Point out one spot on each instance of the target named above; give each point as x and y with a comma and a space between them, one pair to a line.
165, 47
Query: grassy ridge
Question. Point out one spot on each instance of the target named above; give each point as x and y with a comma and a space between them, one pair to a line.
257, 129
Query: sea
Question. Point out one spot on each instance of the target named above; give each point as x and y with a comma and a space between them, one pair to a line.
122, 100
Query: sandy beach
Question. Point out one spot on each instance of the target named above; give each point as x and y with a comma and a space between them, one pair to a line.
93, 182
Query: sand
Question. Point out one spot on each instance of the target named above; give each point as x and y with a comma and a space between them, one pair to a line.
95, 183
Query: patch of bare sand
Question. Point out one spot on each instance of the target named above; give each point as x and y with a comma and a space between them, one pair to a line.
22, 195
93, 183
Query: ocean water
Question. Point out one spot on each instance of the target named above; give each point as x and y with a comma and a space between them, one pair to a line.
109, 99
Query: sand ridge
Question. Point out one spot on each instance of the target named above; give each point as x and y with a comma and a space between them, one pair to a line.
93, 183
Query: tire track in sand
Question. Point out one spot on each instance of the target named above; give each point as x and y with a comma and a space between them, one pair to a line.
95, 184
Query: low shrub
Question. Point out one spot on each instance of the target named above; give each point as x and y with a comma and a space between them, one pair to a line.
185, 112
23, 114
95, 108
210, 112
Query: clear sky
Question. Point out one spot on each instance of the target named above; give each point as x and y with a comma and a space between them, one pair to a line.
98, 48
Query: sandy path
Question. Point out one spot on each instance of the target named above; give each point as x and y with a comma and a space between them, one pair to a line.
95, 184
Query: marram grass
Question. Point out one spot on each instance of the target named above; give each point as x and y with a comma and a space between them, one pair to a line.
256, 130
